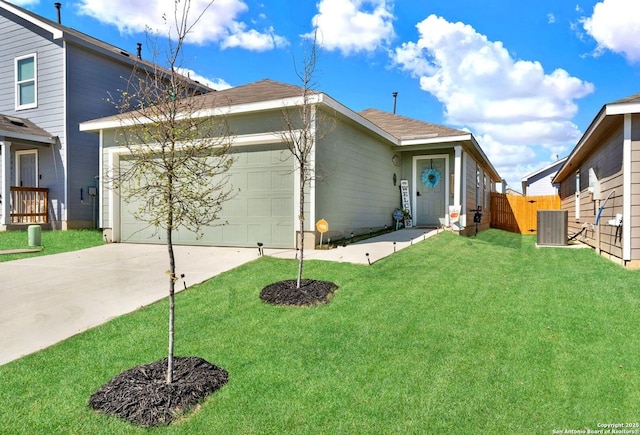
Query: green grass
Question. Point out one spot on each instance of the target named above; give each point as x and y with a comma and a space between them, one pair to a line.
452, 335
53, 242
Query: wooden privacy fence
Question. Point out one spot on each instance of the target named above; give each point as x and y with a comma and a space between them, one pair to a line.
517, 213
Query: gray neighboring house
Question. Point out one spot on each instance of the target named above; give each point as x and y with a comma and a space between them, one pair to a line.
362, 158
539, 182
600, 183
52, 78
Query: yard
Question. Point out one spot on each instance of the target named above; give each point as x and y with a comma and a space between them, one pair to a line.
452, 335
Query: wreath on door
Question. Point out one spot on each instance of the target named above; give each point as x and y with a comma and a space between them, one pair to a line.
430, 177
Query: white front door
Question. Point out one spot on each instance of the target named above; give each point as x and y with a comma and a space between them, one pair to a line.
431, 177
27, 168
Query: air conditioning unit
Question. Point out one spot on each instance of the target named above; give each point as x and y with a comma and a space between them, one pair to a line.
553, 227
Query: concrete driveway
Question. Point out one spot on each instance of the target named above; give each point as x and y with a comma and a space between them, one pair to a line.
44, 300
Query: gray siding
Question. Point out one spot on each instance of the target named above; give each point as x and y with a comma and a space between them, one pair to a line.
354, 190
606, 160
91, 78
540, 184
20, 38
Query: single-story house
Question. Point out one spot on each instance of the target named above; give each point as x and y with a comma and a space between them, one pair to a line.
363, 159
539, 182
600, 183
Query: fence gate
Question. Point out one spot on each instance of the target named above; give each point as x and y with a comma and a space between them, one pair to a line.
517, 213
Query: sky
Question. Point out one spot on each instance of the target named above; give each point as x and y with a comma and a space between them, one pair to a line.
526, 77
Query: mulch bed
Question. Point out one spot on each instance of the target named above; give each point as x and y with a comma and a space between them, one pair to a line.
142, 395
310, 293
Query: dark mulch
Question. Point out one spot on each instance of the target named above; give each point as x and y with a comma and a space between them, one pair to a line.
311, 292
142, 395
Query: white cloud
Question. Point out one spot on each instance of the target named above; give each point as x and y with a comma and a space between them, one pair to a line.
353, 26
515, 109
551, 18
219, 23
615, 25
24, 3
217, 83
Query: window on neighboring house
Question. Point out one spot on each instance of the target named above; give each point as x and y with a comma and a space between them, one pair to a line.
26, 85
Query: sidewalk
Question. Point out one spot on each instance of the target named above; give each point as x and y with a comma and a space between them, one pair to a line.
377, 247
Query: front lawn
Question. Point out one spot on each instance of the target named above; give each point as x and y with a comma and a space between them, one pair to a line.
452, 335
53, 242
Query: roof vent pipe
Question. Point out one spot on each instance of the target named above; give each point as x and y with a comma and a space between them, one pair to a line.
58, 6
139, 50
395, 97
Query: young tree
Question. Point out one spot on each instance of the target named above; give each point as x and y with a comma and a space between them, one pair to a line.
176, 170
303, 128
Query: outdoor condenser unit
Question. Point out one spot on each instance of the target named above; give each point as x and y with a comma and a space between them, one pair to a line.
553, 227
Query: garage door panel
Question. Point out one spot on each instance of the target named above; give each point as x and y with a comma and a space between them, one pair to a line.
262, 210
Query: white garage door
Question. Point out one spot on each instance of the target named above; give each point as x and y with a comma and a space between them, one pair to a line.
262, 210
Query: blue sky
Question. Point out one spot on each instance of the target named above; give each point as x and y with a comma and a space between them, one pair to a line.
526, 78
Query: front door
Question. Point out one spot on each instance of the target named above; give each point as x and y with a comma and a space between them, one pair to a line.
27, 168
431, 177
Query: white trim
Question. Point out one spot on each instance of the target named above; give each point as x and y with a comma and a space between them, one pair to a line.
463, 205
457, 174
17, 164
414, 190
100, 180
56, 33
434, 139
65, 138
5, 181
17, 83
622, 108
626, 183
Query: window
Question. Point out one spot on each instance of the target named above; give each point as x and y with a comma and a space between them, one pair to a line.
26, 85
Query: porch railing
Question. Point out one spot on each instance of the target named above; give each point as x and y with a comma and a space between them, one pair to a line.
29, 205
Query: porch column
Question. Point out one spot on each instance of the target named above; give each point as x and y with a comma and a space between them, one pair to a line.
5, 182
457, 175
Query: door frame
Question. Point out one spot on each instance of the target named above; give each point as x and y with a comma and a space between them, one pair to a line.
445, 179
17, 157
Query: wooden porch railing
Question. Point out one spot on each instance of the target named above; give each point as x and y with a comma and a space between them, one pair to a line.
29, 205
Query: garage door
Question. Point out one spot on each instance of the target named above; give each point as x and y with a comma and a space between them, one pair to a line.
262, 210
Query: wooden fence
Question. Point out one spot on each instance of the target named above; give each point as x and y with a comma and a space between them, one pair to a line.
517, 213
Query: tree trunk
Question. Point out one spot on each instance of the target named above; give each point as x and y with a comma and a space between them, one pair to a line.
172, 287
301, 220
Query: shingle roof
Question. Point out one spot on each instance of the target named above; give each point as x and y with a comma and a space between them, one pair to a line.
21, 126
260, 91
630, 99
408, 128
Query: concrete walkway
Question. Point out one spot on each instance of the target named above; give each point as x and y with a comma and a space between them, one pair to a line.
44, 300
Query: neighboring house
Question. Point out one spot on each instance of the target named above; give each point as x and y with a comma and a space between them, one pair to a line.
538, 183
600, 183
359, 162
51, 79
